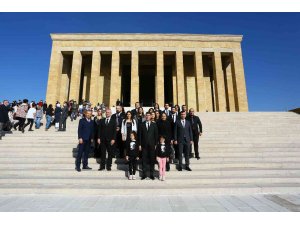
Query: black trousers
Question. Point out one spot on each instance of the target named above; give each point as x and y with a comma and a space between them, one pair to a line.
148, 159
176, 149
83, 153
184, 148
20, 123
120, 144
29, 121
62, 123
97, 149
106, 147
132, 162
196, 144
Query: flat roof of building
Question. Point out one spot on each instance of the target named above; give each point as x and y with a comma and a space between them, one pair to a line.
146, 37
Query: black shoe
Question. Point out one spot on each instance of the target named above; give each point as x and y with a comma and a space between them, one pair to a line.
23, 131
78, 169
30, 130
152, 177
143, 178
168, 169
188, 168
101, 168
108, 169
86, 168
198, 158
180, 168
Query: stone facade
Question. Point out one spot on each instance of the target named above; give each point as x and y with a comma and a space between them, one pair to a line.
202, 71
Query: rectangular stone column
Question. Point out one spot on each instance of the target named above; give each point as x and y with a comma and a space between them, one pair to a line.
55, 69
135, 82
180, 78
174, 79
75, 76
230, 90
115, 81
201, 93
95, 77
239, 82
219, 83
159, 86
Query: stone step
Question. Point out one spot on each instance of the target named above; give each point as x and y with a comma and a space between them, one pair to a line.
62, 159
211, 165
161, 188
203, 150
123, 181
58, 172
203, 139
203, 145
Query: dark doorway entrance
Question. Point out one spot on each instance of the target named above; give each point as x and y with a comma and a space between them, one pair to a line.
147, 84
126, 76
168, 84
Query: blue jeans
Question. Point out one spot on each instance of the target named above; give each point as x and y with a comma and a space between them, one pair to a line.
37, 122
73, 116
48, 118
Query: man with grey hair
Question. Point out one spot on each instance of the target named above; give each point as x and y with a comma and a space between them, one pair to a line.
3, 116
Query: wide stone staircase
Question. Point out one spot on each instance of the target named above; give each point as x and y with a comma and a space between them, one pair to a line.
241, 153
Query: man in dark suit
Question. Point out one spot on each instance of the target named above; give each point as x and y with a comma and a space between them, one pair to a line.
118, 117
107, 132
85, 137
148, 138
63, 117
173, 118
197, 131
135, 110
183, 136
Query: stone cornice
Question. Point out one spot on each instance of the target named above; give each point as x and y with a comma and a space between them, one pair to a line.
145, 37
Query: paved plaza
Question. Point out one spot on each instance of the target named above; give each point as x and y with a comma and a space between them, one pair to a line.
186, 203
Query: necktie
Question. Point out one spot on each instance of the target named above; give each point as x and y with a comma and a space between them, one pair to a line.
183, 123
106, 121
174, 118
148, 126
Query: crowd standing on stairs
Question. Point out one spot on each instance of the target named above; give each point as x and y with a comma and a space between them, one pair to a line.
160, 136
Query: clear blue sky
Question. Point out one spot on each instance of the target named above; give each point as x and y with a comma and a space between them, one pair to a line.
271, 48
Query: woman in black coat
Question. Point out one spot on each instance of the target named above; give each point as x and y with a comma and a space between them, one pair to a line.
165, 129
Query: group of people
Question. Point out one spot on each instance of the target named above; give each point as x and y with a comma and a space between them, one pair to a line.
155, 136
158, 136
20, 114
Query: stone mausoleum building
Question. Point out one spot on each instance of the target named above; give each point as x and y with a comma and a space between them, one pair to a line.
202, 71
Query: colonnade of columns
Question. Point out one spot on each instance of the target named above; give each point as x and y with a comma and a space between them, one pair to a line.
229, 83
